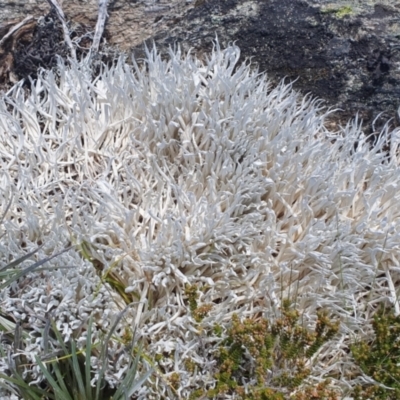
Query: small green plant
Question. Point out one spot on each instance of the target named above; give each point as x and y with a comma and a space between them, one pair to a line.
198, 312
380, 358
67, 372
68, 375
272, 356
107, 274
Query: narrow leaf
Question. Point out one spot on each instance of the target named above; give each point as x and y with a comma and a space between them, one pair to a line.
30, 268
54, 385
88, 359
104, 351
77, 370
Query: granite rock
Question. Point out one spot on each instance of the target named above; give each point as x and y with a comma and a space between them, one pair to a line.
344, 52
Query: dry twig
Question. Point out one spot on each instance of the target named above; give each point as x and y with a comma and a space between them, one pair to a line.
15, 28
100, 25
61, 15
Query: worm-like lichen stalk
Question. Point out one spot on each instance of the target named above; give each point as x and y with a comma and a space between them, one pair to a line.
188, 172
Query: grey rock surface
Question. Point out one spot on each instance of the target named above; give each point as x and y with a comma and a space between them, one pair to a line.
345, 52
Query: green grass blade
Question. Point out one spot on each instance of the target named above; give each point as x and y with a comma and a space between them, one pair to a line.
8, 388
87, 360
34, 393
30, 268
127, 381
130, 376
138, 384
6, 325
104, 352
20, 260
45, 335
60, 378
129, 386
26, 390
59, 338
5, 211
69, 376
77, 370
54, 385
17, 345
4, 214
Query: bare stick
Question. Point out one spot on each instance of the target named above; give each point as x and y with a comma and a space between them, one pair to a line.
61, 16
15, 28
100, 25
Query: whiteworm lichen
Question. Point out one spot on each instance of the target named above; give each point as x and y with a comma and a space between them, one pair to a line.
191, 172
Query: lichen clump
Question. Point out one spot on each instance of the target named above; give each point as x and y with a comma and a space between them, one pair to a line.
169, 174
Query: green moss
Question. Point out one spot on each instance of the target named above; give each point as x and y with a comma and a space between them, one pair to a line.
218, 330
339, 12
343, 11
273, 355
198, 312
197, 394
253, 348
174, 380
380, 358
191, 292
190, 365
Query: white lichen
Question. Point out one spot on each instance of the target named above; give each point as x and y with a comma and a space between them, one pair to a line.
190, 172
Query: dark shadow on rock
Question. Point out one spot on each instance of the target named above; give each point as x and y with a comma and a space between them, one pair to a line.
351, 61
337, 59
40, 44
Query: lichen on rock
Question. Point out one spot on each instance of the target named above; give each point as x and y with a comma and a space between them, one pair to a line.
193, 172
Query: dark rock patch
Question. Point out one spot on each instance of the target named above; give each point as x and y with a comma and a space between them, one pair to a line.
42, 50
347, 55
343, 60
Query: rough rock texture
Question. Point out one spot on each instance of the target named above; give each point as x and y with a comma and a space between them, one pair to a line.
349, 56
346, 52
129, 24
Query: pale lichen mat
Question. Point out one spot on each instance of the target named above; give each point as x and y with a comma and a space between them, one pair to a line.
194, 172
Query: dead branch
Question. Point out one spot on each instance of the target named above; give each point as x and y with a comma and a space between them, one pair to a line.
61, 16
99, 25
15, 28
